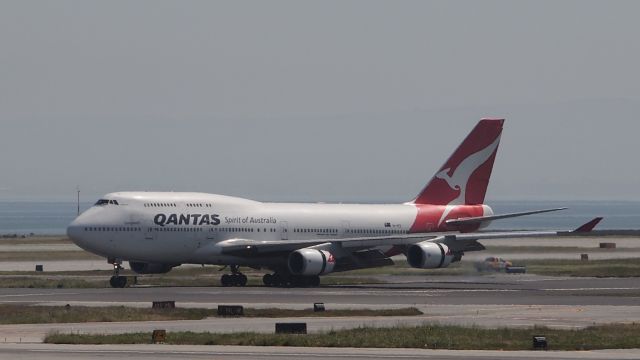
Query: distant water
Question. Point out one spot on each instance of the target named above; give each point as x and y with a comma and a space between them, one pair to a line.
52, 218
41, 218
618, 215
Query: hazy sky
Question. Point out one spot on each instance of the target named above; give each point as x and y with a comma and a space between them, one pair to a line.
319, 101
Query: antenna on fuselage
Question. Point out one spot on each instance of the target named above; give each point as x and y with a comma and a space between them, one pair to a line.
78, 191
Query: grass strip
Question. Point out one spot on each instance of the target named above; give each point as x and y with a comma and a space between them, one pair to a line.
25, 314
551, 267
35, 240
60, 280
579, 268
53, 255
32, 282
613, 336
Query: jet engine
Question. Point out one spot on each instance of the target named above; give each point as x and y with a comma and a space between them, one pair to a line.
429, 255
150, 268
311, 262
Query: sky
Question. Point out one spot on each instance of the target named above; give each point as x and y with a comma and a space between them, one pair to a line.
316, 100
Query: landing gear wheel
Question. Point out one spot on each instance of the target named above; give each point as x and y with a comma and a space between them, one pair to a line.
242, 280
233, 280
225, 280
298, 281
118, 281
277, 280
267, 280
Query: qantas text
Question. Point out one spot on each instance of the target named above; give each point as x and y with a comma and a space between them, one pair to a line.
186, 219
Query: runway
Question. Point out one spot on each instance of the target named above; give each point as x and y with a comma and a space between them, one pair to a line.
497, 289
488, 301
494, 300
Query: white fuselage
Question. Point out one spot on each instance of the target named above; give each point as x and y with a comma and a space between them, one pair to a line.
181, 228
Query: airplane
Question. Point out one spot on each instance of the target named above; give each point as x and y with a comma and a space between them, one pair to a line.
299, 242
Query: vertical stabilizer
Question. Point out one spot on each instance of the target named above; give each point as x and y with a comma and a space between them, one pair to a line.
464, 178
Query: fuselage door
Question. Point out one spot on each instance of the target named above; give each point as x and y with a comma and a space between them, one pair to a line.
211, 237
284, 230
344, 229
149, 234
148, 227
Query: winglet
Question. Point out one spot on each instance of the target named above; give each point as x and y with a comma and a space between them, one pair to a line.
588, 226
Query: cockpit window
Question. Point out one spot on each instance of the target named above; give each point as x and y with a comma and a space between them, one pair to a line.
103, 202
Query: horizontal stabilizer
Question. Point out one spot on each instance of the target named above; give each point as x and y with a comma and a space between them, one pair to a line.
588, 226
480, 219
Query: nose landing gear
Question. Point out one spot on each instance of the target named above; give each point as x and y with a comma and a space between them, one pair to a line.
236, 278
116, 280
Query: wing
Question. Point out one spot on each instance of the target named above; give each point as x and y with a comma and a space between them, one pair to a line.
457, 242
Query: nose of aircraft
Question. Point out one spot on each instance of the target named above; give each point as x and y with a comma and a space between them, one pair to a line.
75, 230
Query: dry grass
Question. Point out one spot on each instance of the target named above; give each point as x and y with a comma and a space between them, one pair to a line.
25, 314
591, 268
36, 240
47, 255
614, 336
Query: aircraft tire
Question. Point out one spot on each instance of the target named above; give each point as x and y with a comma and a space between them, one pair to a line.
267, 280
225, 280
287, 281
118, 281
275, 280
233, 280
299, 281
278, 280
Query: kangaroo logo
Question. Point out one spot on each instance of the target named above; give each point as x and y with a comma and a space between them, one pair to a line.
461, 174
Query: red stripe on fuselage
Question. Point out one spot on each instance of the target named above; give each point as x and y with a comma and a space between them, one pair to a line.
429, 217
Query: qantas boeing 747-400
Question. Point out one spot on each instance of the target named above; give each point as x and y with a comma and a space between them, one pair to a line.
156, 231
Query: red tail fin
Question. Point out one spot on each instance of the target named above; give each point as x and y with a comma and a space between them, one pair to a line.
464, 178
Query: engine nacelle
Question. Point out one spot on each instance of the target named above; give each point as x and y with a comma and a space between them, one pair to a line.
150, 268
311, 262
429, 255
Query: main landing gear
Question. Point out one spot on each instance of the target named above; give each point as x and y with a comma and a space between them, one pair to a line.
116, 280
236, 278
287, 280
